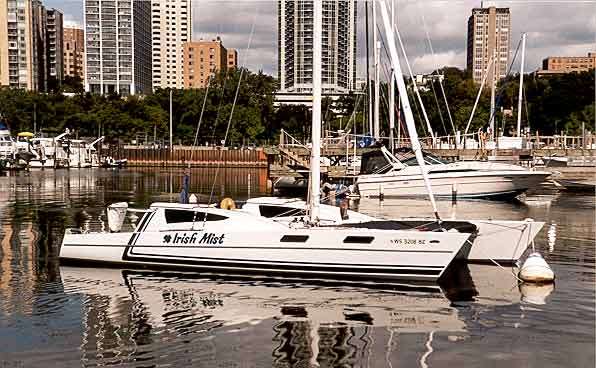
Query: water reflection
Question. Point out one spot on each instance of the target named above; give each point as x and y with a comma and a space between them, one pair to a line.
126, 310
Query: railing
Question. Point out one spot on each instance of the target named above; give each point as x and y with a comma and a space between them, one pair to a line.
286, 140
477, 140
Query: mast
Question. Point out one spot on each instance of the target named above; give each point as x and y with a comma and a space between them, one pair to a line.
407, 110
521, 86
491, 120
368, 82
315, 156
392, 89
376, 52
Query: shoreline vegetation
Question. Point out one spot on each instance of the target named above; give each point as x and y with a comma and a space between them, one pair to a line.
552, 105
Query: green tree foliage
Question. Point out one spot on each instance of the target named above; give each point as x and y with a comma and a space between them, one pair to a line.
553, 104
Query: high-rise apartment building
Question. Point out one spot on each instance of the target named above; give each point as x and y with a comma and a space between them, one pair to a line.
118, 46
202, 59
74, 52
54, 44
232, 59
171, 24
22, 38
295, 46
29, 44
488, 34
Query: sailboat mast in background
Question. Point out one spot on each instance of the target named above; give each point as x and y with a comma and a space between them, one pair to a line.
315, 156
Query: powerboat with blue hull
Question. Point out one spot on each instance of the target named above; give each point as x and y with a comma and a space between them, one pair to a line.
233, 241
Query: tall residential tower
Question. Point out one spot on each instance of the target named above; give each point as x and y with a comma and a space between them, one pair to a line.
74, 53
488, 34
171, 24
55, 44
295, 47
118, 46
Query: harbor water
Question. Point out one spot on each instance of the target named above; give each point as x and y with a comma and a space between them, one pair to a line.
53, 315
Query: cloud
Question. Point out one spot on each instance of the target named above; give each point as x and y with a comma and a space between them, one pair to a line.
553, 27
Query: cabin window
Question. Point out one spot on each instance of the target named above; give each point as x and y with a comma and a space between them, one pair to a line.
276, 211
294, 238
359, 239
176, 216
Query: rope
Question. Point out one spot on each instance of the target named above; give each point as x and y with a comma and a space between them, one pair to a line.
495, 262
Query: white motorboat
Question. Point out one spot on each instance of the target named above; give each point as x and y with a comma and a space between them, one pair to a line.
41, 152
191, 236
399, 176
503, 241
7, 147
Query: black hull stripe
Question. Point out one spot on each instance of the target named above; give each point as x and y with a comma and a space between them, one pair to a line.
295, 268
298, 264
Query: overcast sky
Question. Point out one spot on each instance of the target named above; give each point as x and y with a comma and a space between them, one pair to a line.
554, 28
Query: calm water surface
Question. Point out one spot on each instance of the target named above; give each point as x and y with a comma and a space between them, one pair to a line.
51, 315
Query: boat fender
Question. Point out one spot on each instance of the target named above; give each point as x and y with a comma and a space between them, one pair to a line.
536, 270
227, 204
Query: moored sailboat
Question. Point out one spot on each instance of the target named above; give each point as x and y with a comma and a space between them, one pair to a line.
233, 241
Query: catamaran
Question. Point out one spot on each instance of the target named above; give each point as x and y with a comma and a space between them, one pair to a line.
216, 238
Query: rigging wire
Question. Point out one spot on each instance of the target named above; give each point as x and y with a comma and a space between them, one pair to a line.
223, 92
505, 81
252, 30
432, 86
430, 45
200, 117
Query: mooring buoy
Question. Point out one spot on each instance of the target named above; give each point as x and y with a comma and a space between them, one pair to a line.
536, 270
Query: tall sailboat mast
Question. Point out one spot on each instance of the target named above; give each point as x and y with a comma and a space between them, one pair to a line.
407, 110
492, 97
315, 156
521, 85
392, 90
376, 56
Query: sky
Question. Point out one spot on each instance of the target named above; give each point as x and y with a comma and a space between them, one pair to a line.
554, 28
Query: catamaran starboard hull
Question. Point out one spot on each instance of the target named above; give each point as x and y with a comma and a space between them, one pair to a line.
347, 254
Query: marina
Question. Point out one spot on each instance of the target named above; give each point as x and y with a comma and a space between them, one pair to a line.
164, 205
123, 315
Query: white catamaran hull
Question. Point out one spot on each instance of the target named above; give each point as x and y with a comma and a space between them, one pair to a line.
496, 240
473, 184
254, 244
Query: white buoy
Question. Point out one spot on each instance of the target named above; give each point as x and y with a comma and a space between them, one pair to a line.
535, 269
193, 199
